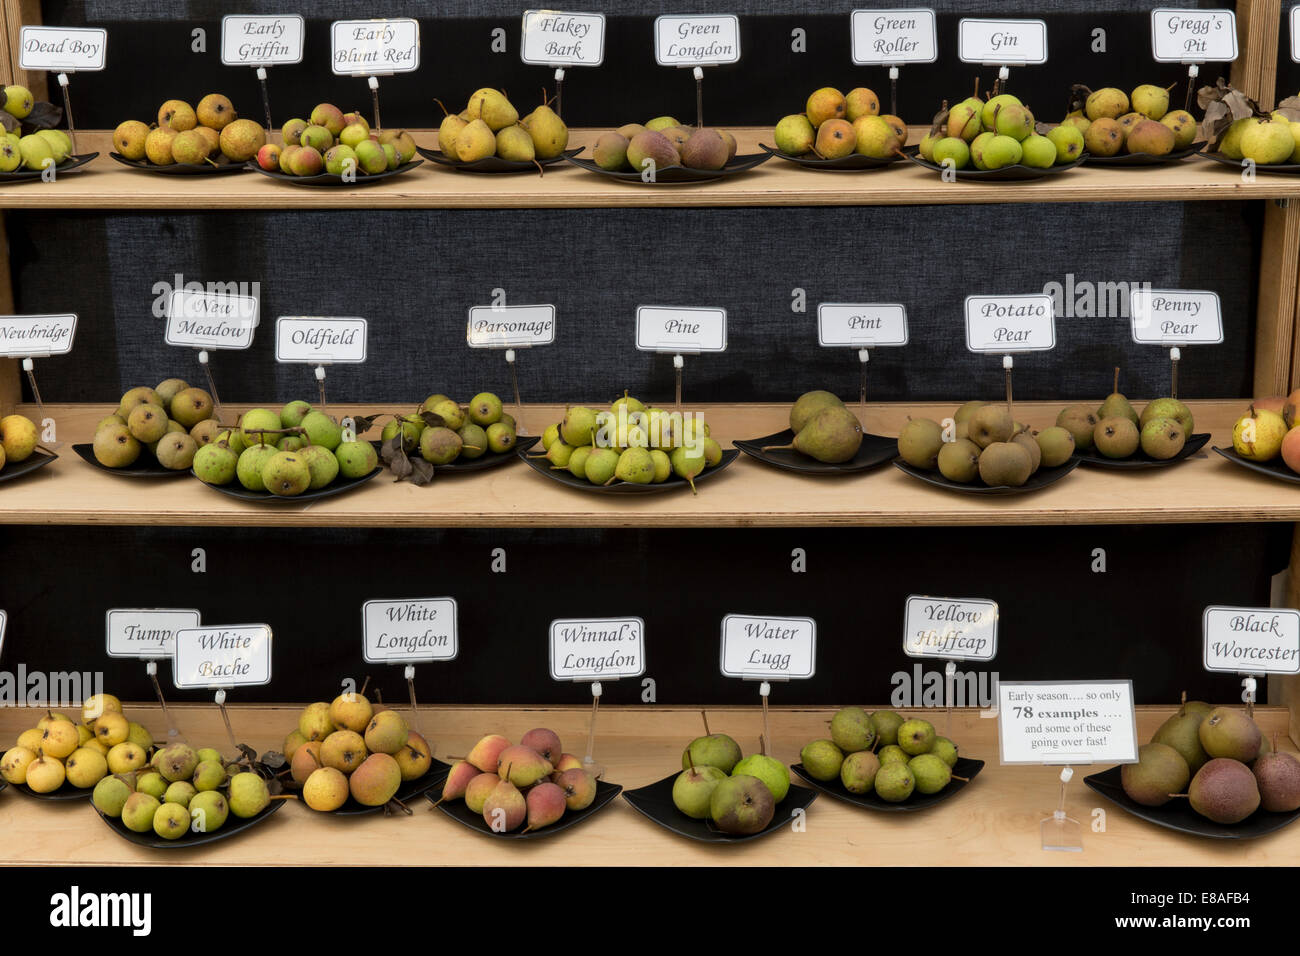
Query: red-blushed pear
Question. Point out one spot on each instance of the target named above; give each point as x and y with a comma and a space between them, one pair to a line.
476, 792
351, 711
329, 116
268, 157
458, 780
305, 759
1272, 404
546, 804
486, 754
386, 733
522, 766
505, 807
376, 780
1291, 449
579, 788
742, 805
1289, 406
545, 742
568, 762
414, 759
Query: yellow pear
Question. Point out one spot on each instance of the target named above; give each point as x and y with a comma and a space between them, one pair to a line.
492, 107
476, 141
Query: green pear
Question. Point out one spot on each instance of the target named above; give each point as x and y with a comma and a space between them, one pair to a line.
693, 790
715, 750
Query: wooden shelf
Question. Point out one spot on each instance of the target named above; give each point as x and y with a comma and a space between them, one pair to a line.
106, 184
994, 822
748, 494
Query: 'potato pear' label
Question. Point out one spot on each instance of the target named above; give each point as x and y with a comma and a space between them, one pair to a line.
319, 340
216, 657
680, 330
510, 326
603, 648
554, 38
35, 336
62, 49
697, 41
771, 648
961, 629
410, 631
1067, 722
1176, 317
892, 37
210, 319
1010, 323
146, 633
865, 326
261, 40
1001, 42
1251, 640
1193, 36
374, 47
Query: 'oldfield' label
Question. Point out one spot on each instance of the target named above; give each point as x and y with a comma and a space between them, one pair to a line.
1176, 317
418, 629
1002, 42
891, 37
215, 657
555, 38
1251, 640
318, 339
146, 633
1193, 36
210, 320
62, 49
697, 41
863, 326
374, 47
1067, 722
603, 648
950, 628
510, 326
678, 329
27, 336
777, 648
261, 40
1010, 323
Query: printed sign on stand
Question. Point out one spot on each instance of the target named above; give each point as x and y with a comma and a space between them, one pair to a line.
220, 657
510, 326
1006, 324
557, 38
36, 336
1002, 42
146, 633
411, 630
374, 47
597, 649
318, 340
261, 40
950, 628
1067, 722
893, 37
1193, 36
62, 49
697, 40
768, 648
1176, 317
1251, 640
206, 319
680, 329
862, 326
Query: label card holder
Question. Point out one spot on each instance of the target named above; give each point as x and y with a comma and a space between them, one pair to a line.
862, 326
1174, 318
1002, 43
320, 341
4, 621
596, 650
950, 630
768, 648
893, 38
561, 39
680, 331
260, 42
206, 319
1007, 324
374, 48
149, 635
511, 327
220, 658
29, 337
1294, 19
1193, 37
63, 50
1250, 641
697, 42
409, 631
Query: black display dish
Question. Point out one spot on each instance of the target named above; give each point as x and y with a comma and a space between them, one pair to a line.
875, 450
458, 811
483, 462
493, 164
141, 469
1037, 481
1141, 459
66, 793
37, 459
542, 466
409, 790
1273, 469
1283, 169
233, 826
1124, 160
964, 767
1018, 173
680, 175
31, 175
1178, 814
181, 169
656, 802
338, 486
854, 162
329, 180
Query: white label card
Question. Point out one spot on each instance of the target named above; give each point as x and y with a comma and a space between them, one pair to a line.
210, 320
772, 648
864, 326
510, 326
4, 620
261, 40
316, 339
62, 49
1176, 317
1002, 42
215, 657
1295, 33
34, 336
888, 37
1251, 640
697, 40
556, 38
680, 329
416, 629
146, 633
1067, 722
374, 47
964, 629
1193, 36
603, 648
1010, 323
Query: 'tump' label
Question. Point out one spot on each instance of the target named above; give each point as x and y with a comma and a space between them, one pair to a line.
1067, 722
868, 325
666, 328
1002, 42
34, 336
261, 40
510, 326
215, 657
316, 339
778, 648
374, 47
1010, 323
698, 40
951, 628
1176, 317
1193, 36
211, 320
419, 629
887, 37
555, 38
603, 648
146, 633
62, 49
1251, 640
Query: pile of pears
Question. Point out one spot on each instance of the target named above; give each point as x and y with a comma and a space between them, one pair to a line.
1113, 122
663, 142
738, 793
630, 442
209, 134
1267, 431
489, 125
1218, 759
824, 429
1116, 430
351, 747
881, 753
467, 431
834, 125
1271, 140
38, 147
331, 141
19, 437
286, 453
531, 784
168, 423
982, 443
59, 750
994, 133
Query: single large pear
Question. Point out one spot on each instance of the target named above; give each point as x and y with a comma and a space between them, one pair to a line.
1159, 773
1181, 731
492, 107
833, 435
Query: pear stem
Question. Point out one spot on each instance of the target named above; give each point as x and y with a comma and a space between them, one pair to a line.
400, 805
364, 685
705, 717
1179, 796
777, 447
953, 776
285, 796
1116, 388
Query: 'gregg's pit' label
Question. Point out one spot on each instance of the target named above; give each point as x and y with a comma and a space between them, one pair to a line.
1010, 323
510, 326
1002, 42
210, 320
25, 336
319, 339
62, 49
215, 657
1070, 722
597, 648
1251, 640
779, 648
950, 628
374, 47
861, 326
698, 40
555, 38
1193, 36
261, 40
423, 629
1176, 317
888, 37
662, 328
146, 633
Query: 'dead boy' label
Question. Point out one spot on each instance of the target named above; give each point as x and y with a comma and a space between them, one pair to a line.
779, 648
62, 49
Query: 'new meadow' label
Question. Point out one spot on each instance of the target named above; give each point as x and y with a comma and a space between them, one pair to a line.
62, 49
1002, 42
1193, 36
216, 657
555, 38
1176, 317
602, 648
34, 336
261, 40
510, 326
374, 47
1251, 640
302, 338
1010, 323
890, 37
864, 326
774, 648
680, 329
417, 629
146, 633
697, 40
210, 320
962, 629
1067, 722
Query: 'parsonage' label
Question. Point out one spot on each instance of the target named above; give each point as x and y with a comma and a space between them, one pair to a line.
261, 40
1010, 323
697, 40
864, 326
1002, 42
776, 648
890, 37
62, 49
302, 338
1067, 722
418, 629
951, 628
1251, 640
510, 326
1193, 36
1176, 317
215, 657
33, 336
679, 329
374, 47
146, 633
210, 320
556, 38
603, 648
